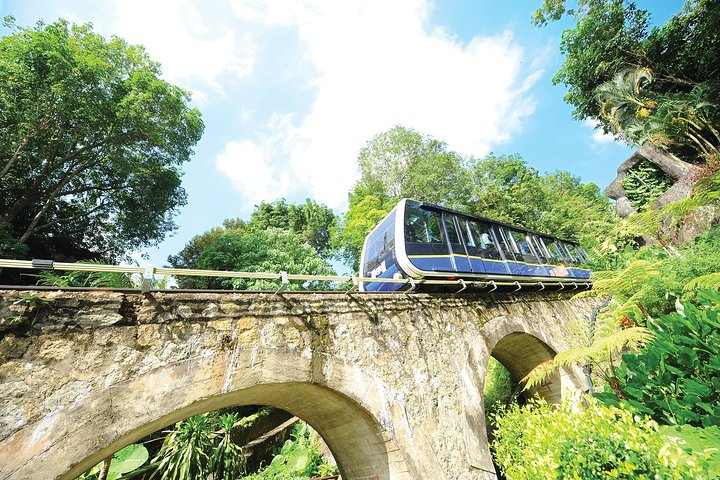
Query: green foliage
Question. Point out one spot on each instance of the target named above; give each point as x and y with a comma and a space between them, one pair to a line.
704, 442
652, 278
91, 143
312, 222
644, 183
298, 458
270, 251
123, 461
587, 442
676, 377
85, 279
500, 388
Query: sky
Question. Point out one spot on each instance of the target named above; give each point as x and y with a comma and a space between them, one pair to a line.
291, 90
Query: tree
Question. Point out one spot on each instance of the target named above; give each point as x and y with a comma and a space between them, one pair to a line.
404, 163
311, 221
269, 251
612, 50
91, 143
505, 188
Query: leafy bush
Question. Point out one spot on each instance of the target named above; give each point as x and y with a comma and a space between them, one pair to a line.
298, 458
499, 387
587, 442
676, 378
124, 461
644, 183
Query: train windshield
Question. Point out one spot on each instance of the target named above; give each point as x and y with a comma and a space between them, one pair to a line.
379, 251
423, 231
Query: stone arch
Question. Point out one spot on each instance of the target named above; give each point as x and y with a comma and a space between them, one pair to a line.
75, 439
520, 346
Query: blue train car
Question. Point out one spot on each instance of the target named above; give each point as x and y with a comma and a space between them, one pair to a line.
425, 241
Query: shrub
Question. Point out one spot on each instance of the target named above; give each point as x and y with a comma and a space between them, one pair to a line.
587, 442
676, 378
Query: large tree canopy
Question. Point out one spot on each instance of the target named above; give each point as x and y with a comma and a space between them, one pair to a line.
311, 221
403, 163
656, 85
278, 237
91, 143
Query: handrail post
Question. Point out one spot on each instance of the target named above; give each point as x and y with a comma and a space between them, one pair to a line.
147, 278
285, 282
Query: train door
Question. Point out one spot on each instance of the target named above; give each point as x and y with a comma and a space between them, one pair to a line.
461, 262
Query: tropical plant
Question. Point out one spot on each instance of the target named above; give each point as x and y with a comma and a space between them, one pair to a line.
122, 462
227, 459
186, 451
644, 183
675, 378
588, 440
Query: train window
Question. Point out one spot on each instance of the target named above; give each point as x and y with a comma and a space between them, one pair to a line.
380, 244
505, 243
455, 234
554, 254
581, 254
481, 239
422, 226
568, 252
539, 248
522, 246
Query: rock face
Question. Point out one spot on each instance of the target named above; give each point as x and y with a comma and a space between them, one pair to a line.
673, 167
393, 383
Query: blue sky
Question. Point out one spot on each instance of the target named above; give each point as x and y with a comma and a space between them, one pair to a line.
290, 90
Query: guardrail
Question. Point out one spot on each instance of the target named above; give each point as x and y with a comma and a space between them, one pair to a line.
149, 271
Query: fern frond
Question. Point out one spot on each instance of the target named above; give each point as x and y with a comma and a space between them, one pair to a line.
632, 338
710, 281
539, 375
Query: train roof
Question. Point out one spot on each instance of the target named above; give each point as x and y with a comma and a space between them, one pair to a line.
490, 220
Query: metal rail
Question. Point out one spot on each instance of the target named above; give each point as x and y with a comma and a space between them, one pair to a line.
149, 271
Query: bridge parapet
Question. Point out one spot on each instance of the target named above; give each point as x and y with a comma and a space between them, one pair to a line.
392, 382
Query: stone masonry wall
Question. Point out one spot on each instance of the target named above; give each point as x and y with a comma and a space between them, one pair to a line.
392, 382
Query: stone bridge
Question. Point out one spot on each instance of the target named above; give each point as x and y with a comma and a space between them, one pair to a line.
392, 382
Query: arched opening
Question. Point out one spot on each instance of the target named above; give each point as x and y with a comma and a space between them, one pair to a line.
248, 441
352, 435
519, 353
515, 345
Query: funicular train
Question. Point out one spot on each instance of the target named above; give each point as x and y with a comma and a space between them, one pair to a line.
422, 241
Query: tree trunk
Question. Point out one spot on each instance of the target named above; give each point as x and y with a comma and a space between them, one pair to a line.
105, 468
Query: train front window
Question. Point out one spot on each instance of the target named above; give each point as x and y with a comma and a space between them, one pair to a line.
424, 233
422, 226
379, 250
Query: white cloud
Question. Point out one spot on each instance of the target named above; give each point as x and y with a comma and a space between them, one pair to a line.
377, 66
193, 49
598, 135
